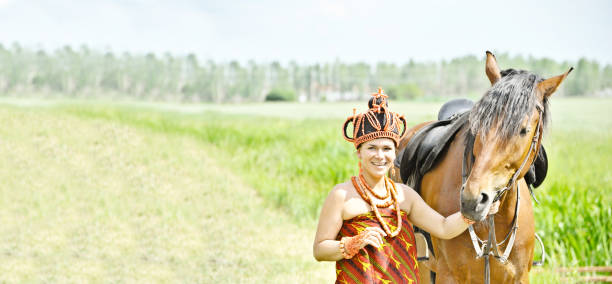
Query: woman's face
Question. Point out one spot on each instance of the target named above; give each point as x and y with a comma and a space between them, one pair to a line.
377, 156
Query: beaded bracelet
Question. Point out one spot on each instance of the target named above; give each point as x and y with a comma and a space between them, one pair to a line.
350, 246
344, 254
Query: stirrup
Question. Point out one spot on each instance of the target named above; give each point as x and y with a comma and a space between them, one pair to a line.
421, 246
541, 261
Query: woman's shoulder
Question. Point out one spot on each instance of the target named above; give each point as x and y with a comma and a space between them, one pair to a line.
403, 187
341, 190
343, 186
405, 192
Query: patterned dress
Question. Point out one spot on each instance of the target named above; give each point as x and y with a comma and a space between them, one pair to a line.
394, 262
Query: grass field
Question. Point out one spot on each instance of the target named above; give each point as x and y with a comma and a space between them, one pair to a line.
141, 192
98, 201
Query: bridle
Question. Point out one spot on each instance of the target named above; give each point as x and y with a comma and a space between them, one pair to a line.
490, 247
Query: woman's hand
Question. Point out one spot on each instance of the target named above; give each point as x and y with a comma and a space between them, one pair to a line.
350, 246
492, 210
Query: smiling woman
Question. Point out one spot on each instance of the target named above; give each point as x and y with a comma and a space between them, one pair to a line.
365, 223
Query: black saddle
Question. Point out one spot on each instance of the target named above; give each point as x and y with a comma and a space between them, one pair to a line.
423, 150
454, 107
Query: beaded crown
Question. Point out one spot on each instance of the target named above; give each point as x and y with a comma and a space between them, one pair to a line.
377, 122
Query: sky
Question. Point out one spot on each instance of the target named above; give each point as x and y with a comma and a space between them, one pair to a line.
317, 30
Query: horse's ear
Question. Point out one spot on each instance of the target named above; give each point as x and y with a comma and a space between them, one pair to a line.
549, 86
492, 69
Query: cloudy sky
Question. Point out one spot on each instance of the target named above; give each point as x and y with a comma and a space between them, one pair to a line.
317, 30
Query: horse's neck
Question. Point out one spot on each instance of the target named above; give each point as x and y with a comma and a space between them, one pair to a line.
441, 186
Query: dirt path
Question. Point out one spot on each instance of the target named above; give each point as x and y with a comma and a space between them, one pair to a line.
95, 201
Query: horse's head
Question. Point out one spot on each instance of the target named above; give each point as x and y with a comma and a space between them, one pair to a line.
506, 127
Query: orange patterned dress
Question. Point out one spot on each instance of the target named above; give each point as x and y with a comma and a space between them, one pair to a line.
394, 262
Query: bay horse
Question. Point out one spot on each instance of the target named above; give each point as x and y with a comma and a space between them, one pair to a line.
487, 160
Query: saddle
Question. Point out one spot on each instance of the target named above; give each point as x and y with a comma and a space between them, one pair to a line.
423, 150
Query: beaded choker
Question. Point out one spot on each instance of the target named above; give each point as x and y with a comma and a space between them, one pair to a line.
362, 187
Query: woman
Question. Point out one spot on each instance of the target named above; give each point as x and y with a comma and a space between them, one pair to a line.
365, 223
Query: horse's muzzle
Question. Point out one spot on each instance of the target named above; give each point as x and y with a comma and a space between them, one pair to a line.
475, 207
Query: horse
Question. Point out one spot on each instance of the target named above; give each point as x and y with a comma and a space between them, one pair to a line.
488, 157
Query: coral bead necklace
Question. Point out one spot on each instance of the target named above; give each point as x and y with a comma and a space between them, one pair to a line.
359, 183
359, 187
365, 184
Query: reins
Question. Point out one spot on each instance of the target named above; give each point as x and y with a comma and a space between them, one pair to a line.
485, 249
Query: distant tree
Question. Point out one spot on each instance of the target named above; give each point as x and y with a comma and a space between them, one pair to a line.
86, 72
406, 91
586, 78
606, 77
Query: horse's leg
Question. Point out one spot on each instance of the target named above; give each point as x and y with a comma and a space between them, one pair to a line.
424, 274
444, 279
454, 266
443, 275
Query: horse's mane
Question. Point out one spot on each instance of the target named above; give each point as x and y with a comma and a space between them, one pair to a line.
509, 99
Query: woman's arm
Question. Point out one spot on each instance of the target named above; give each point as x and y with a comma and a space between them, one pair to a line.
431, 221
326, 247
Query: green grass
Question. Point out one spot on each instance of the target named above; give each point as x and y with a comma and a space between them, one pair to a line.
294, 162
575, 216
293, 154
94, 200
277, 157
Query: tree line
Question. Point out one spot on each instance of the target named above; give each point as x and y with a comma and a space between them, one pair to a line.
84, 72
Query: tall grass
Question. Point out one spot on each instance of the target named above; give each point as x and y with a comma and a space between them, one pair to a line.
293, 163
575, 214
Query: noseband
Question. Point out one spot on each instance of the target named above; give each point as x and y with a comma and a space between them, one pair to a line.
491, 247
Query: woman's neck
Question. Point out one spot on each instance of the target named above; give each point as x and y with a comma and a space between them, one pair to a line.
376, 183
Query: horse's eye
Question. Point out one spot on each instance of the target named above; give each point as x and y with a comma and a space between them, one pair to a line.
523, 131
